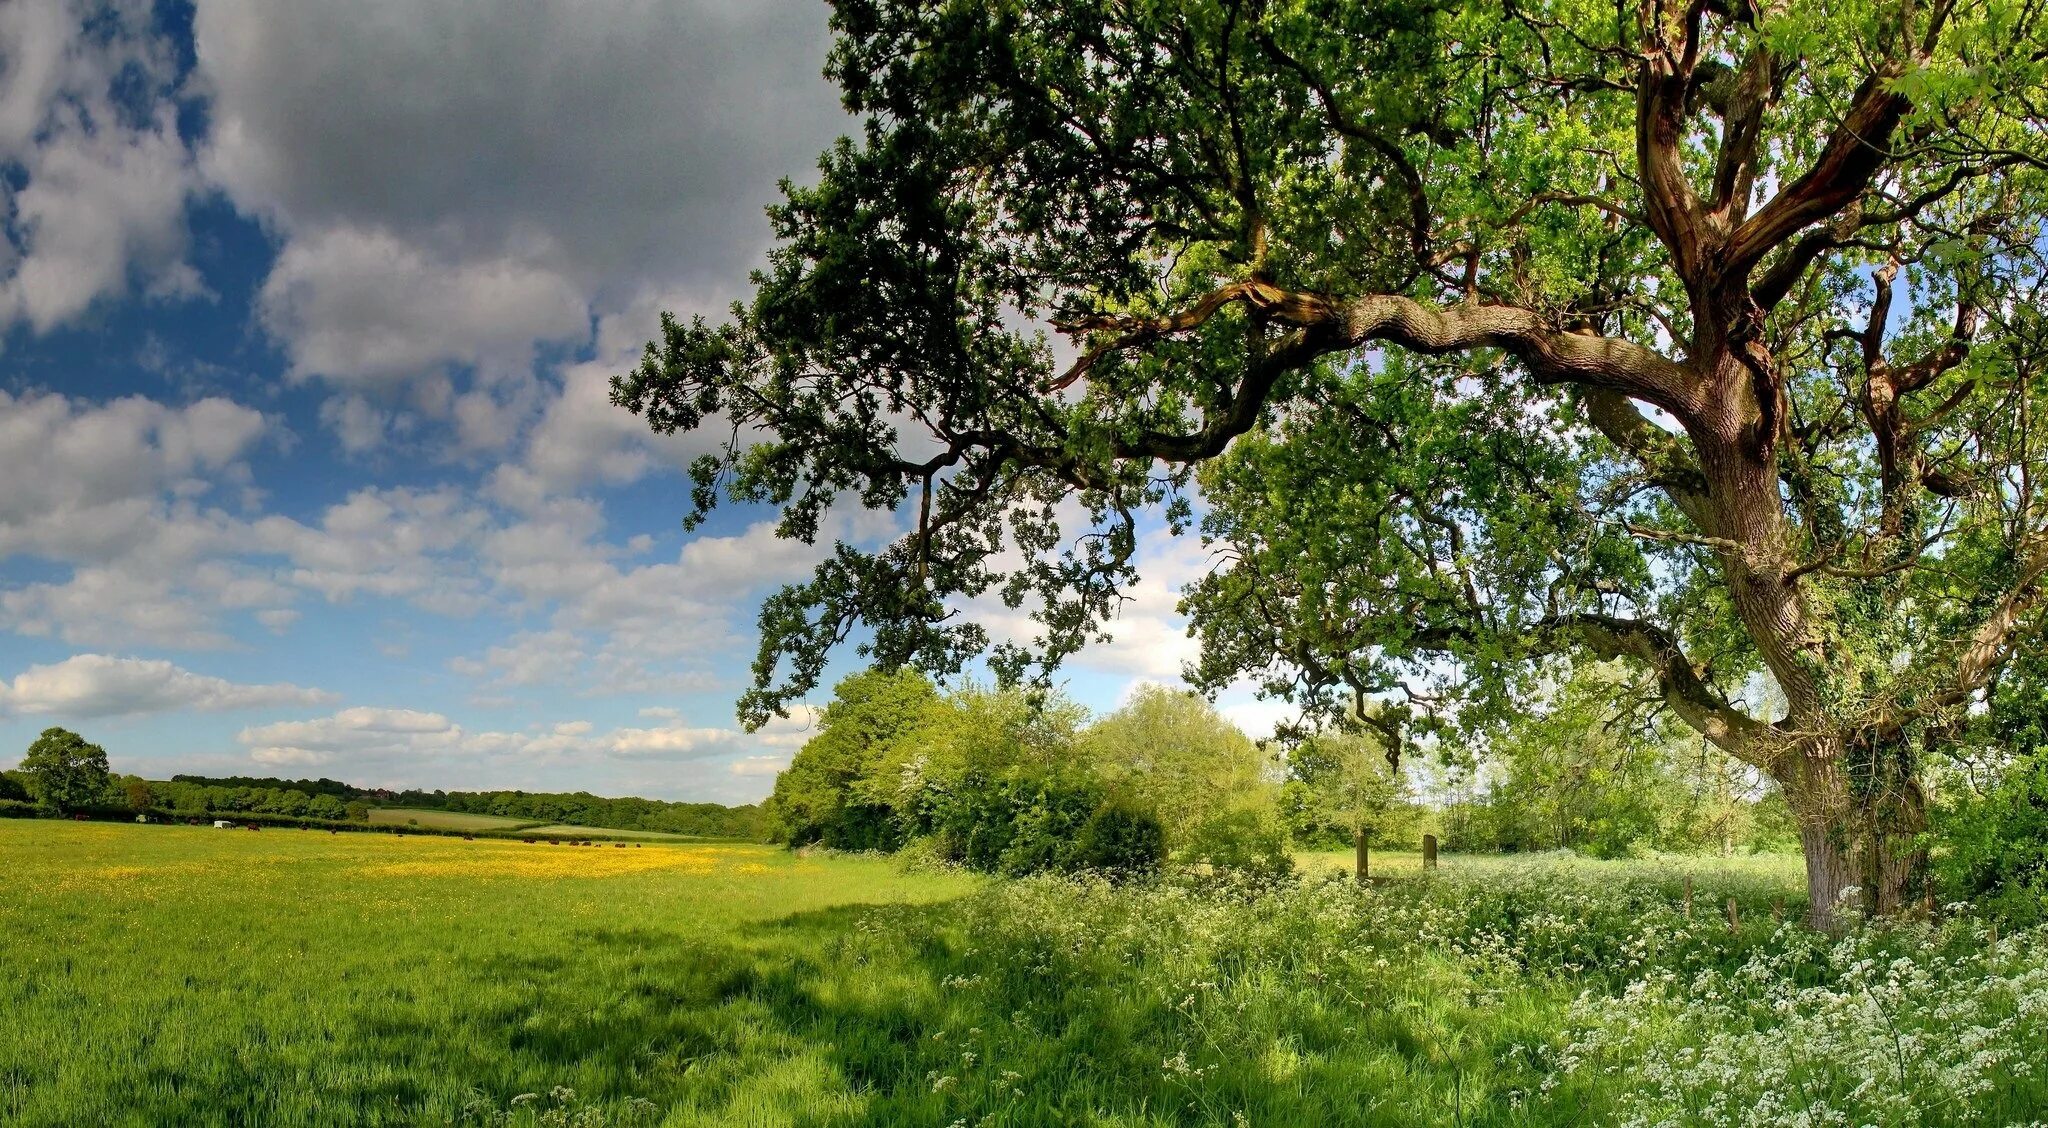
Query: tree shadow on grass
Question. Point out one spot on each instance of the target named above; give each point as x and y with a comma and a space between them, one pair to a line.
897, 1015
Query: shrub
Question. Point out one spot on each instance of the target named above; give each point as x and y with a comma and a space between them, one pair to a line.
1997, 844
1249, 843
1120, 841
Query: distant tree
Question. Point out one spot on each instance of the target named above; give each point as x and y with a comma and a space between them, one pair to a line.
1171, 752
1714, 806
820, 797
64, 772
1578, 771
358, 812
13, 787
141, 797
1347, 781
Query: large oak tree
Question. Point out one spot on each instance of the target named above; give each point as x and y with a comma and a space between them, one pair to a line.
1702, 334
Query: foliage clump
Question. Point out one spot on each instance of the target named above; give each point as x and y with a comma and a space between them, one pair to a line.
64, 772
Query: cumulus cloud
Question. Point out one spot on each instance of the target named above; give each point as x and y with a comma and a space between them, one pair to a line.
457, 183
89, 476
120, 491
360, 734
100, 685
1148, 639
770, 766
366, 307
99, 176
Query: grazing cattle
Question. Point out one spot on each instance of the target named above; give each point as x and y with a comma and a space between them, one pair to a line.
528, 841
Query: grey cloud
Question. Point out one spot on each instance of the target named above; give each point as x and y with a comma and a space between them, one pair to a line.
513, 154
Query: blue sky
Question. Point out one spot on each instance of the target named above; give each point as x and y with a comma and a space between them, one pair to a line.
306, 315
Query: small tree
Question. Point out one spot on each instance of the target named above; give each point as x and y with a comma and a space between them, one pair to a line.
64, 772
139, 795
1350, 782
1172, 753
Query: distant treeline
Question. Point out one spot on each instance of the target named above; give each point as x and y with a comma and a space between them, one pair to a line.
321, 786
327, 799
580, 808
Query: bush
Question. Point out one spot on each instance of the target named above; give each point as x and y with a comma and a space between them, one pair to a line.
1120, 841
1012, 826
1997, 845
1248, 843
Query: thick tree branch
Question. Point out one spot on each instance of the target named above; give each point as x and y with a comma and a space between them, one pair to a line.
1855, 150
1325, 326
1662, 455
1695, 702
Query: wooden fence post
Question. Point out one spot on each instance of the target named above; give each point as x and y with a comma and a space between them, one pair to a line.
1429, 851
1734, 917
1364, 861
1688, 896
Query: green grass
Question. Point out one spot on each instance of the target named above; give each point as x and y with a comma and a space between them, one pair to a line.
170, 976
445, 820
567, 830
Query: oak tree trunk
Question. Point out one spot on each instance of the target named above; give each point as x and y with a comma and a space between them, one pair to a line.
1860, 831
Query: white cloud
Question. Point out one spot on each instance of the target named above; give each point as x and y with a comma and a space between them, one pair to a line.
384, 742
98, 197
358, 735
1148, 637
672, 743
91, 479
99, 685
759, 765
124, 493
1259, 718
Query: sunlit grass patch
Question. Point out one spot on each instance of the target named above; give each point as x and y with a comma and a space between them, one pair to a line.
443, 820
170, 976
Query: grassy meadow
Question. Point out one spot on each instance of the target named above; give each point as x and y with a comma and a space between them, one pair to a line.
175, 975
443, 820
429, 819
567, 830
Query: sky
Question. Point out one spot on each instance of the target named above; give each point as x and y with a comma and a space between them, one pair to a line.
307, 313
